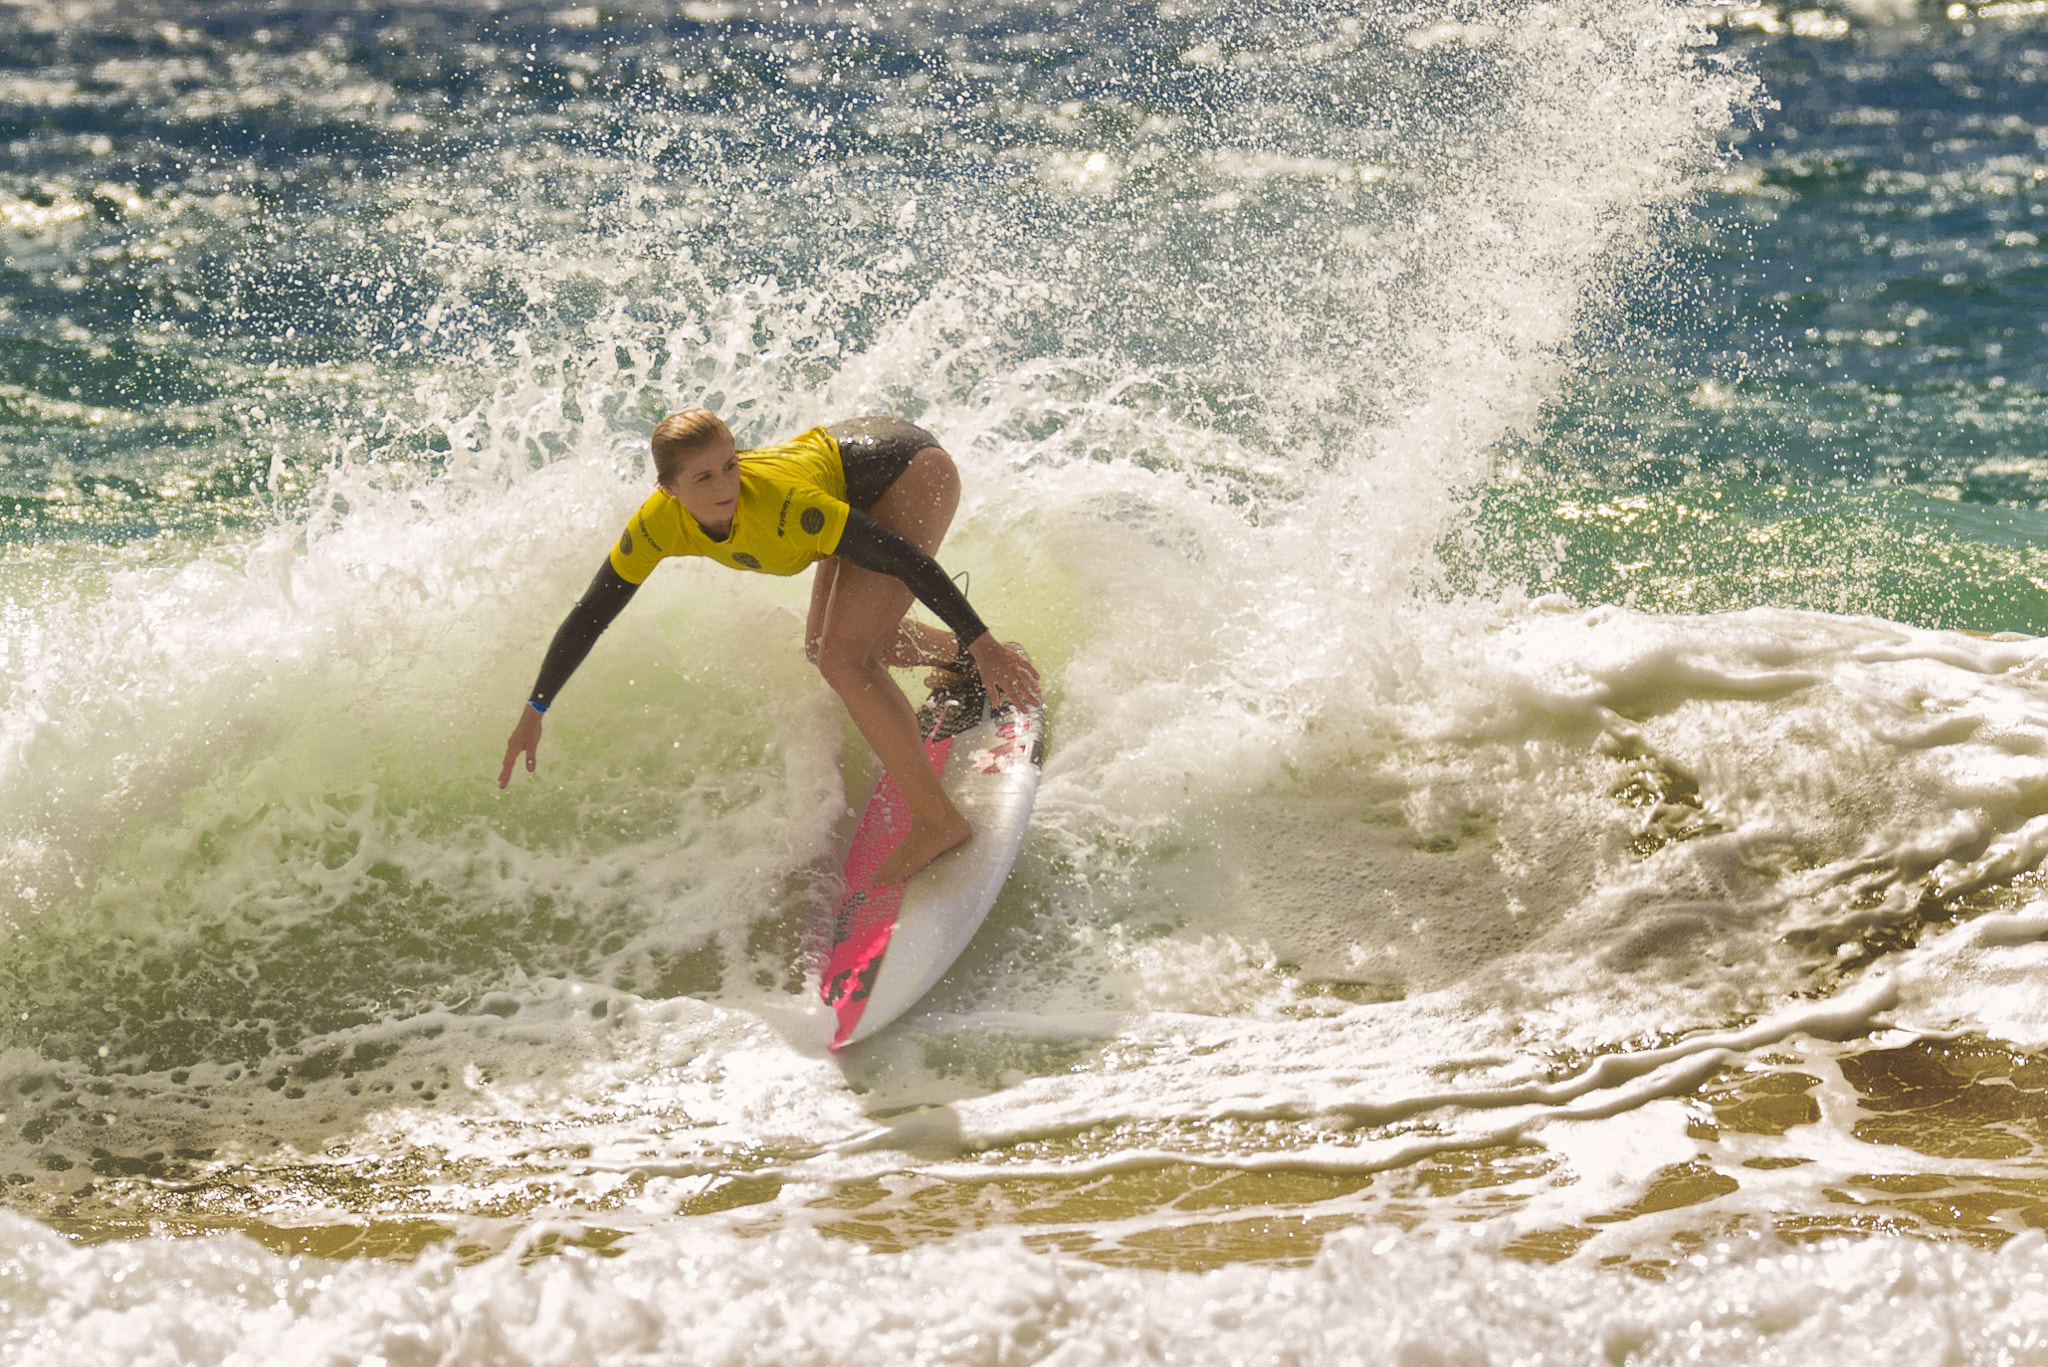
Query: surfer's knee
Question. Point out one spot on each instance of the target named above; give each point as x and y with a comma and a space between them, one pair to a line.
844, 664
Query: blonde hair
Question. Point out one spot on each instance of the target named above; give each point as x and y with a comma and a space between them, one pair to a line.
679, 436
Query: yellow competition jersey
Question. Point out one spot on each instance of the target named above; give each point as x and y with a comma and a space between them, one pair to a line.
792, 512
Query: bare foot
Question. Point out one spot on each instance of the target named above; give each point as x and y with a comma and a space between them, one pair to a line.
922, 845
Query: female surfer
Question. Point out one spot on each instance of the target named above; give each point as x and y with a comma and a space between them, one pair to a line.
868, 501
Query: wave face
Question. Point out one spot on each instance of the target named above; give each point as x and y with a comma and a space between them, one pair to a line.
1528, 515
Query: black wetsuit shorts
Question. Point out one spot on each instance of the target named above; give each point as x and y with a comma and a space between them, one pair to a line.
874, 453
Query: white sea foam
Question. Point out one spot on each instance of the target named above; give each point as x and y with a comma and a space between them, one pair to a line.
1787, 722
795, 1299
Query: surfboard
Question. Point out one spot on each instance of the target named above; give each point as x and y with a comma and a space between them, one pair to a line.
888, 945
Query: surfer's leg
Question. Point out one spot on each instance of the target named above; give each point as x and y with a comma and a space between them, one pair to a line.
916, 644
875, 453
823, 581
913, 644
862, 613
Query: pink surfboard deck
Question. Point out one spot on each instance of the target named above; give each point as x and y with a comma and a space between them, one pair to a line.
990, 769
867, 913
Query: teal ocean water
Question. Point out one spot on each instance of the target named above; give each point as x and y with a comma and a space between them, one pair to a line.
1532, 517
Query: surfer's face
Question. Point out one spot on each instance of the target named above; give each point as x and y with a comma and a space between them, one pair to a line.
709, 484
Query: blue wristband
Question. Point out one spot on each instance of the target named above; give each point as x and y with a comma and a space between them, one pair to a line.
538, 707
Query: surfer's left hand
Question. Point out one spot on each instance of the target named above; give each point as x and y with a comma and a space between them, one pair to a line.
525, 741
1005, 673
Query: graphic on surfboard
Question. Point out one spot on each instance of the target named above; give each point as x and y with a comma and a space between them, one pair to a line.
889, 945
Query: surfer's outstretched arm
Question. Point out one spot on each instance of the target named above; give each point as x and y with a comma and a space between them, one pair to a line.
607, 595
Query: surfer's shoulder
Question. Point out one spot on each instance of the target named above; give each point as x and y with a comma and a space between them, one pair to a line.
653, 532
810, 457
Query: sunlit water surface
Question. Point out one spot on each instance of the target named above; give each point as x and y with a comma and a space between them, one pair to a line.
1531, 517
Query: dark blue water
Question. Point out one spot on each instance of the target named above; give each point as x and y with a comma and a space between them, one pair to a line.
1832, 393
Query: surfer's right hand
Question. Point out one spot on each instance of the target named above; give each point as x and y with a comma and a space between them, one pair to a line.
1005, 673
526, 740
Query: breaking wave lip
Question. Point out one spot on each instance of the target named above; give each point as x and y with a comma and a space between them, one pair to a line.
333, 594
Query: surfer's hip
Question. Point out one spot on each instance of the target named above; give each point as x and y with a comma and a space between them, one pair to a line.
874, 452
